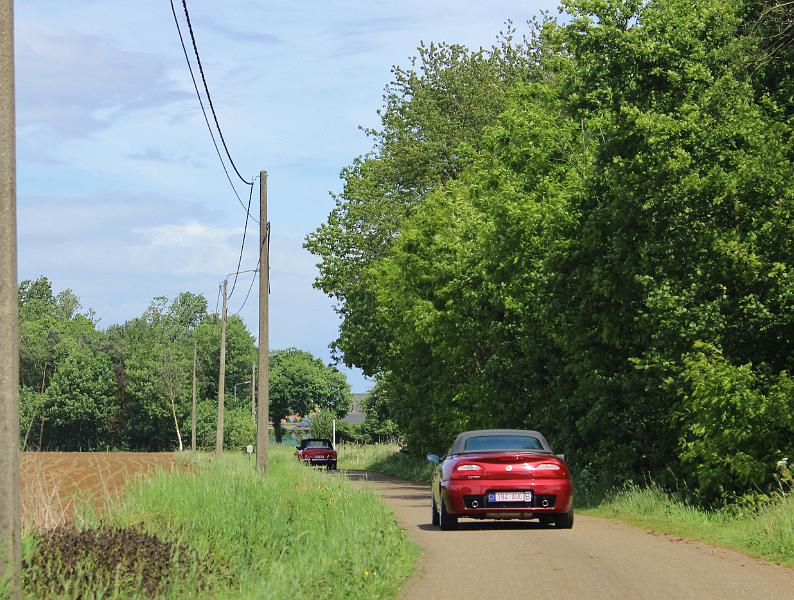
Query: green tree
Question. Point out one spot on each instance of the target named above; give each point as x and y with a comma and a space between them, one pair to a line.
432, 121
300, 382
241, 353
379, 424
79, 402
322, 425
629, 202
157, 357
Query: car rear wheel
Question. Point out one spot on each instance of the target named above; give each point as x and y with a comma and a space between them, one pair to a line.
331, 466
564, 520
445, 520
435, 520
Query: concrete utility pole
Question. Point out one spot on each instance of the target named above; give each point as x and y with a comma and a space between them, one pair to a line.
193, 408
10, 555
264, 358
253, 390
221, 377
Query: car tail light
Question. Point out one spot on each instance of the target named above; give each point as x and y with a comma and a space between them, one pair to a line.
547, 470
466, 471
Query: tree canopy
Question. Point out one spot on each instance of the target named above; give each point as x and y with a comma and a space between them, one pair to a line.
130, 386
605, 253
300, 383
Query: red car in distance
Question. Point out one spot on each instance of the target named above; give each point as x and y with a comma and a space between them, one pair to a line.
316, 451
501, 474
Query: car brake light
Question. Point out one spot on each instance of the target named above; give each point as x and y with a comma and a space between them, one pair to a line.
547, 470
469, 468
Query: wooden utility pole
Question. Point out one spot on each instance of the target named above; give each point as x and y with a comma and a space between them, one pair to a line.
193, 408
253, 389
221, 377
10, 553
264, 358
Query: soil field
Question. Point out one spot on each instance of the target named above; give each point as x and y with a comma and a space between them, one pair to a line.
53, 484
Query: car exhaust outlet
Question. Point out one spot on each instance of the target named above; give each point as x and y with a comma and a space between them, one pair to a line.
544, 502
474, 504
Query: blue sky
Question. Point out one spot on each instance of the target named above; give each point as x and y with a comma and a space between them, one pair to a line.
120, 194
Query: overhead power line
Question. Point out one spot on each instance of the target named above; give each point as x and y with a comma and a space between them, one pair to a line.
258, 269
242, 245
209, 98
206, 118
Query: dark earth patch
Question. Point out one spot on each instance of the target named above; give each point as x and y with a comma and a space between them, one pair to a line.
108, 558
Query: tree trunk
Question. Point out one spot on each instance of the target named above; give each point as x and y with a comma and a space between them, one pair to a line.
40, 407
176, 423
278, 432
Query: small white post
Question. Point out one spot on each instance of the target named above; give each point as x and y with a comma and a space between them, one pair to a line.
334, 434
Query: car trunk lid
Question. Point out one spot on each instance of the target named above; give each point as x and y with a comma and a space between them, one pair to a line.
506, 465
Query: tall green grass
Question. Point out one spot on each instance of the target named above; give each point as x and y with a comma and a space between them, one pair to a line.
766, 532
386, 459
297, 533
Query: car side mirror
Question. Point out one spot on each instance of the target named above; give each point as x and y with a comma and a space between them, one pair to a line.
562, 456
433, 458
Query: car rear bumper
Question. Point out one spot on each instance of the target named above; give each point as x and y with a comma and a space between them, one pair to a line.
314, 460
476, 498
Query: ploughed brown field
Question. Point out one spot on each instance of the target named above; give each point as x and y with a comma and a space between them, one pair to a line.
53, 484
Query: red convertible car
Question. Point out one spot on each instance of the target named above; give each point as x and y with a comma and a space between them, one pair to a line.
315, 451
501, 474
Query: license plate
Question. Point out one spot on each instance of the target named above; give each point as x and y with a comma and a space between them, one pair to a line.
512, 497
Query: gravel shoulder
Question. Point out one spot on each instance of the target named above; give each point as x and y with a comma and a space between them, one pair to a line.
598, 558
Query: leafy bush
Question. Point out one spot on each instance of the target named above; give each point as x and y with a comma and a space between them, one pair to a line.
322, 424
239, 427
739, 425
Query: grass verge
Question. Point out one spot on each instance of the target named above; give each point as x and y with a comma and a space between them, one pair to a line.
386, 459
766, 533
287, 536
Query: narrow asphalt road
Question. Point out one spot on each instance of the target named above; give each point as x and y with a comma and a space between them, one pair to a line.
598, 558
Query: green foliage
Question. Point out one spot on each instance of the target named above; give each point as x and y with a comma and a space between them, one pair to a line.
609, 263
431, 124
300, 382
379, 425
241, 353
322, 424
157, 368
31, 403
78, 404
130, 386
737, 425
239, 428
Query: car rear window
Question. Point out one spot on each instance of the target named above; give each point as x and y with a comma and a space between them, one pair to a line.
318, 444
502, 442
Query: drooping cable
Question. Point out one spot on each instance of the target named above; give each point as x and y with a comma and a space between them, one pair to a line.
258, 268
242, 245
209, 98
206, 118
